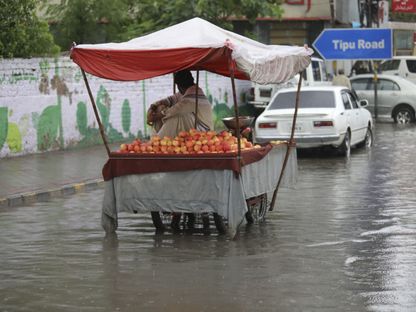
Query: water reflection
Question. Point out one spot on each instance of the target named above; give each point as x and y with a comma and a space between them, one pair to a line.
342, 240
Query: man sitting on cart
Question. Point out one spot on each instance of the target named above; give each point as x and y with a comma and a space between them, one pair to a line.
176, 113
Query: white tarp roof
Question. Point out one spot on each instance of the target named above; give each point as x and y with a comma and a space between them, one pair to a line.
259, 62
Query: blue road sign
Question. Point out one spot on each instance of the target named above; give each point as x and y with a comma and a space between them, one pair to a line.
355, 44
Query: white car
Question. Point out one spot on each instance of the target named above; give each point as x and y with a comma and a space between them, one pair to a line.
327, 116
314, 74
402, 66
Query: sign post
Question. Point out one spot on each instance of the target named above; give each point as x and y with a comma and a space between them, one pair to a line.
356, 44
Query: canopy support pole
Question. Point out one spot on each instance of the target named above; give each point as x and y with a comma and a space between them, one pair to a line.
97, 116
196, 100
174, 85
237, 120
290, 144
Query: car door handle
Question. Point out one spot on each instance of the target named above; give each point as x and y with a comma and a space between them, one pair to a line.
342, 114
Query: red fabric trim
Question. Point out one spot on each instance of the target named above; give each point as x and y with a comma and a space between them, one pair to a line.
125, 164
133, 65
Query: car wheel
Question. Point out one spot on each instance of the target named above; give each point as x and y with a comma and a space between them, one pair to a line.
368, 140
345, 148
220, 224
403, 115
160, 220
257, 208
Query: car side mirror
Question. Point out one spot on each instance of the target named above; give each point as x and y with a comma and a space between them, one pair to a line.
363, 103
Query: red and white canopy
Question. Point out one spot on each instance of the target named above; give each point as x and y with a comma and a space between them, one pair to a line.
196, 45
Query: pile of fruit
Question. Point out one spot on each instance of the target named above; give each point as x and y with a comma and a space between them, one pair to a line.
189, 142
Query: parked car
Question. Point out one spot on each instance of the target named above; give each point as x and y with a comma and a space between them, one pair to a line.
327, 116
314, 74
403, 66
396, 96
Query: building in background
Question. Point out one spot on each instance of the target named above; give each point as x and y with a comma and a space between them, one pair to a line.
302, 21
404, 33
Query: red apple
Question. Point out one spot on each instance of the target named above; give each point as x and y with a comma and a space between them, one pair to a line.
226, 146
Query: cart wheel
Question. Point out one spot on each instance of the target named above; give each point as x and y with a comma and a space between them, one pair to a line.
189, 221
220, 224
257, 208
249, 217
204, 218
161, 220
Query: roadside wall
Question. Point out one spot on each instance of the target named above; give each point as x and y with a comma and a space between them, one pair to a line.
44, 105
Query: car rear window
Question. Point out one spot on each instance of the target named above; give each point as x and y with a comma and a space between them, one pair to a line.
307, 99
388, 85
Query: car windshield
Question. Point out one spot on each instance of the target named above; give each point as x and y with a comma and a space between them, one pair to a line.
390, 65
308, 99
411, 65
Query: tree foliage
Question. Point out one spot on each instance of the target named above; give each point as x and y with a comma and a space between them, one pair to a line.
403, 17
88, 21
150, 15
95, 21
22, 33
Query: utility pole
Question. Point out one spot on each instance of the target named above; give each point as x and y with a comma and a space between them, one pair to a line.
369, 14
369, 5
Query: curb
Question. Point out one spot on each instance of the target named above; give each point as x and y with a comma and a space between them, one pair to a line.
44, 195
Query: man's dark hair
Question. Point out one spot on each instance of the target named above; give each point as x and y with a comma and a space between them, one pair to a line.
184, 79
341, 72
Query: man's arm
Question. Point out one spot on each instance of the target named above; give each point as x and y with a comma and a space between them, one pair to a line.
157, 109
167, 102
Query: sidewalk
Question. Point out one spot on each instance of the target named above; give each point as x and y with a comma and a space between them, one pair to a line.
37, 177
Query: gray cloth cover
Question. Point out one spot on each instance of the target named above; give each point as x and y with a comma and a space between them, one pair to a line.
197, 191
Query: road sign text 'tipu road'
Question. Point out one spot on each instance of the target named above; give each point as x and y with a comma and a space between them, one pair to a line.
355, 44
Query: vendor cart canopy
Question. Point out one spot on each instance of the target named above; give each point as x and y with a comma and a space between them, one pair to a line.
196, 45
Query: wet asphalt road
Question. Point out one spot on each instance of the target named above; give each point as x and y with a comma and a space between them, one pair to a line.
343, 240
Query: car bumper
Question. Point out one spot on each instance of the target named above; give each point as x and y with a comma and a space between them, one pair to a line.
306, 141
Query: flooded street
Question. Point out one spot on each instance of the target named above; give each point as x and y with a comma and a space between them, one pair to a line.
343, 240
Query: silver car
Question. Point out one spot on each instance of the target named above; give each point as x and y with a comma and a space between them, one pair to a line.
396, 96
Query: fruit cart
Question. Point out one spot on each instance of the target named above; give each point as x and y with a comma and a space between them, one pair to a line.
231, 184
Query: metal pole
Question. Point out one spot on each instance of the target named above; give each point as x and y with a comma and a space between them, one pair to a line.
373, 64
237, 121
375, 83
369, 14
290, 144
97, 116
196, 99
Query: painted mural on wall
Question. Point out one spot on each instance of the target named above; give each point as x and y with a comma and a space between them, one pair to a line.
44, 105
